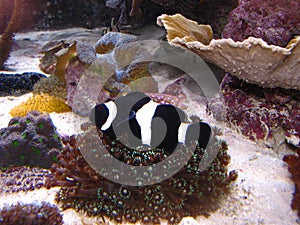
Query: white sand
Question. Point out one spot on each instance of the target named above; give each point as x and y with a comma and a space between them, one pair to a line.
261, 195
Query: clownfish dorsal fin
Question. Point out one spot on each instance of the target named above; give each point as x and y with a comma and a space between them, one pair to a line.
112, 108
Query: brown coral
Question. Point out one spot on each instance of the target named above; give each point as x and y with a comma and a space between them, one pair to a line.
41, 103
7, 37
294, 164
252, 60
31, 214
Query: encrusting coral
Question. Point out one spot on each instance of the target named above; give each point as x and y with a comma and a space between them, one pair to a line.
23, 178
276, 22
294, 164
16, 84
31, 140
262, 113
31, 214
41, 103
252, 60
188, 193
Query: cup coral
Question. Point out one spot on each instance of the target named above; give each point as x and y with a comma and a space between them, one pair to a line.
41, 103
188, 193
31, 214
31, 140
252, 60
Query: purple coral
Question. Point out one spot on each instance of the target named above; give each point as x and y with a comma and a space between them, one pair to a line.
259, 112
276, 22
31, 140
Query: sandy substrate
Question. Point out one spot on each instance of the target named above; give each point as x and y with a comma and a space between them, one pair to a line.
261, 195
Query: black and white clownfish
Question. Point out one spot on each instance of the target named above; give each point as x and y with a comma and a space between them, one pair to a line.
146, 122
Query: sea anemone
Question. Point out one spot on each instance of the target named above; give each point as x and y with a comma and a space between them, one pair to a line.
188, 193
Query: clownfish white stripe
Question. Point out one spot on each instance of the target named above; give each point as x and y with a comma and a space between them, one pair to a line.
182, 132
144, 118
111, 106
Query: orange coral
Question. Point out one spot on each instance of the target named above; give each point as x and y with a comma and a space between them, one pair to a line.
41, 103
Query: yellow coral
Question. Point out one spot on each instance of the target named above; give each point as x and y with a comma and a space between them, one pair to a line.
41, 103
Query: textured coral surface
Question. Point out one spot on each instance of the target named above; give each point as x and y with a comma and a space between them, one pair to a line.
31, 214
16, 84
260, 113
23, 178
294, 164
188, 193
42, 103
31, 140
276, 22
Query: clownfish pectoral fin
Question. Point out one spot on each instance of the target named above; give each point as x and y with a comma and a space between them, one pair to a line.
205, 134
131, 116
199, 131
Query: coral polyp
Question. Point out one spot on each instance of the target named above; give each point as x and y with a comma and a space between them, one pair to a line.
188, 193
31, 214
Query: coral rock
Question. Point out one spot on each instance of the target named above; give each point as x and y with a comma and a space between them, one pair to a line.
294, 164
31, 214
276, 22
41, 103
252, 60
31, 140
16, 84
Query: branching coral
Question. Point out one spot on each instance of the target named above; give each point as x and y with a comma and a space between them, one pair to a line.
16, 84
294, 164
24, 178
31, 214
41, 103
7, 36
252, 60
276, 22
31, 140
187, 193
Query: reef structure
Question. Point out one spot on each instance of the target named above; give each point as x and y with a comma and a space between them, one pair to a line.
188, 193
23, 178
18, 84
252, 60
29, 141
31, 214
294, 164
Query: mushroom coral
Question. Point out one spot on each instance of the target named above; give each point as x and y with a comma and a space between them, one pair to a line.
31, 214
187, 193
252, 60
41, 103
